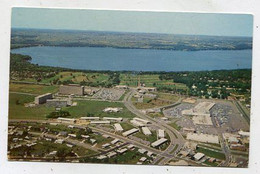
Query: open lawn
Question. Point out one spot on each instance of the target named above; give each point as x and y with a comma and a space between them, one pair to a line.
211, 153
96, 108
33, 89
150, 80
17, 110
150, 103
151, 138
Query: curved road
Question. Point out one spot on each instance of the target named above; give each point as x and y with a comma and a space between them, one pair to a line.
175, 136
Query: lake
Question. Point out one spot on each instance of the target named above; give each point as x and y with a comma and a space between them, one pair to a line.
105, 58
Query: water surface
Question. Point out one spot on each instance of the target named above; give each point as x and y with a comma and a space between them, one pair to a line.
105, 58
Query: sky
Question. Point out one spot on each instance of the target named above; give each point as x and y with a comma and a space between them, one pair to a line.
133, 21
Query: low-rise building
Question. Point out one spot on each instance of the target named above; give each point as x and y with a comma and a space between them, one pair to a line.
113, 118
146, 131
159, 142
100, 122
118, 127
160, 133
66, 120
198, 156
129, 132
205, 138
121, 151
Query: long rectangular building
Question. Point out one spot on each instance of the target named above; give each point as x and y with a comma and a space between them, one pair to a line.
205, 138
159, 142
137, 123
66, 120
129, 132
141, 120
100, 122
113, 118
89, 118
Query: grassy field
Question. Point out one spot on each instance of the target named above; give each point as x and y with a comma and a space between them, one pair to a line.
150, 80
150, 103
33, 89
17, 110
211, 153
96, 108
126, 126
151, 138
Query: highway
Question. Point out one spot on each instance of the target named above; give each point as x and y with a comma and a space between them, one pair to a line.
175, 136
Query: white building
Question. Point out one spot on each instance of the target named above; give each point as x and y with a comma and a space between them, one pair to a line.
113, 118
129, 132
121, 151
89, 118
159, 142
198, 156
66, 120
137, 123
146, 131
118, 127
141, 120
160, 133
205, 138
100, 122
109, 109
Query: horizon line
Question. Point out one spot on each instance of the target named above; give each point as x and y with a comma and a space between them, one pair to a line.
54, 29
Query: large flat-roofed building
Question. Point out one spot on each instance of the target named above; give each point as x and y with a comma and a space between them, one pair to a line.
58, 102
42, 98
203, 109
159, 142
200, 113
71, 89
129, 132
205, 138
202, 120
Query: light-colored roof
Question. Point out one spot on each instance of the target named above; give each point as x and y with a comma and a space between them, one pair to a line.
118, 127
100, 122
206, 138
136, 123
66, 119
129, 132
89, 118
122, 150
113, 118
159, 142
161, 133
141, 120
115, 141
146, 131
199, 155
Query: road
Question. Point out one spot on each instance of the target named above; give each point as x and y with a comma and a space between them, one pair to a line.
175, 136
